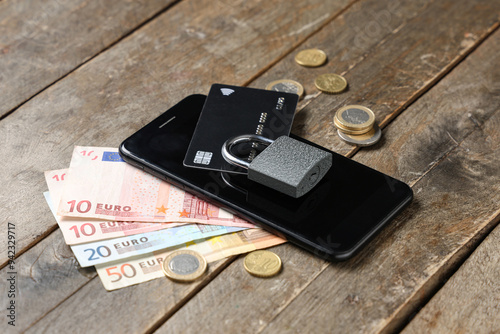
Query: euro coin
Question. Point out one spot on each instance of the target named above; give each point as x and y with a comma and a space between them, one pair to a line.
340, 127
367, 139
184, 265
286, 86
262, 263
331, 83
355, 118
310, 58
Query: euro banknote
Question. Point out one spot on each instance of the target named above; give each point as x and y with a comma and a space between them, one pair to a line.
123, 273
99, 184
77, 230
103, 251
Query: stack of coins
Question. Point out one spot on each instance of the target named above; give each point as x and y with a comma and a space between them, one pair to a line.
356, 125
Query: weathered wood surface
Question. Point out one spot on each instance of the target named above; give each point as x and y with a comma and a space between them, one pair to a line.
456, 201
387, 62
470, 300
41, 41
94, 95
196, 43
39, 289
181, 52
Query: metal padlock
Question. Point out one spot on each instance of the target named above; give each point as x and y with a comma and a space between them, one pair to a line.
286, 165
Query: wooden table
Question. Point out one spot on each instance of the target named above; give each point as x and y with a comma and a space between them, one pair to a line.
79, 72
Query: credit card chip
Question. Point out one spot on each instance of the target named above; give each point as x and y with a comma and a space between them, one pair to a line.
203, 157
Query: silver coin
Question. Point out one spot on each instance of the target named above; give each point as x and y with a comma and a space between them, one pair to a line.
366, 139
184, 264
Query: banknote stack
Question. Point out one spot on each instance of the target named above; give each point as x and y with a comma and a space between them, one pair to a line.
125, 222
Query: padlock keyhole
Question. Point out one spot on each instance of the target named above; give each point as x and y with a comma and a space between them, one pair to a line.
313, 177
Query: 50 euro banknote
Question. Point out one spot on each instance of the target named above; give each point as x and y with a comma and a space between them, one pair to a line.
123, 273
99, 184
77, 230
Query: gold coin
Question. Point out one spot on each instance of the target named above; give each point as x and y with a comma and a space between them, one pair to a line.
355, 118
310, 58
287, 86
331, 83
184, 265
262, 263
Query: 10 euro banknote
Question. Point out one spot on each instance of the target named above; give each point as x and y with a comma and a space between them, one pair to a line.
79, 230
99, 184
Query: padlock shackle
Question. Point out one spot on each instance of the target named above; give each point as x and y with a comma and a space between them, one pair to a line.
230, 158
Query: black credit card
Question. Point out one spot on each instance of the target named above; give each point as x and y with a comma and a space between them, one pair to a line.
231, 111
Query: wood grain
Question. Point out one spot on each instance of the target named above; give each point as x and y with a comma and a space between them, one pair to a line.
388, 60
386, 284
131, 310
108, 99
456, 200
41, 41
470, 300
244, 303
181, 52
45, 275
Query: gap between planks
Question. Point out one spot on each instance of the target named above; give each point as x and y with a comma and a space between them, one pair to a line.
57, 305
123, 37
457, 258
193, 293
452, 65
350, 154
297, 45
139, 27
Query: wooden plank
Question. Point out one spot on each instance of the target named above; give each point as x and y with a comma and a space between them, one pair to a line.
380, 290
111, 97
41, 41
72, 304
74, 310
132, 310
183, 51
455, 201
470, 301
386, 63
49, 274
44, 276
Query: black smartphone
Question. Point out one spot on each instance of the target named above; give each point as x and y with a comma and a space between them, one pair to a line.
334, 220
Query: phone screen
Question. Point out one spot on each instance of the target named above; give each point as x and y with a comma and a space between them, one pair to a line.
334, 220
